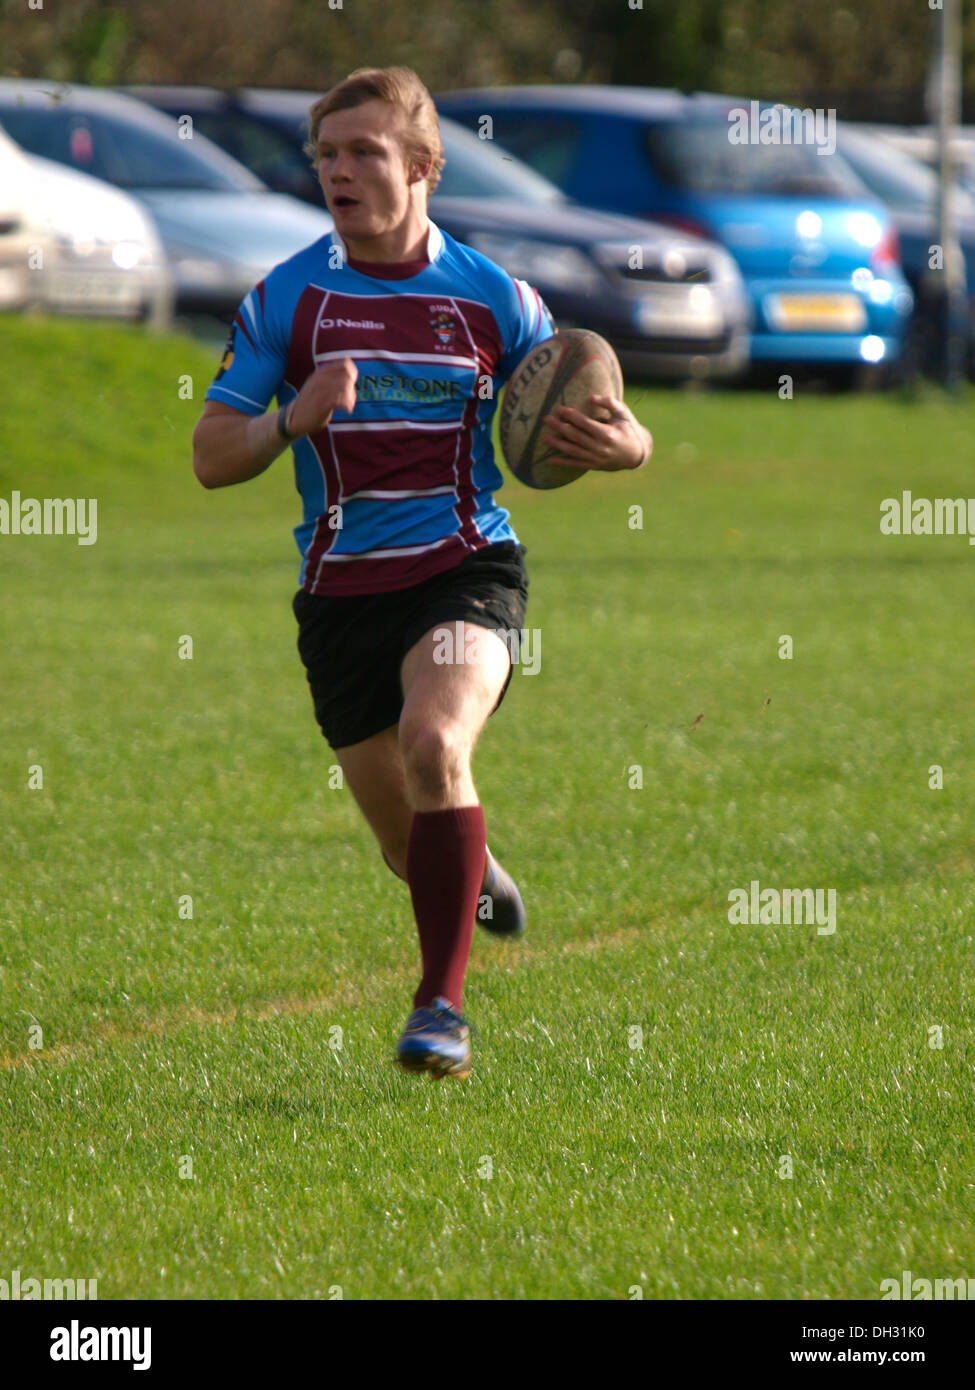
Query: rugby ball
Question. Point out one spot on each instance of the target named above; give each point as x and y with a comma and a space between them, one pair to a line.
564, 370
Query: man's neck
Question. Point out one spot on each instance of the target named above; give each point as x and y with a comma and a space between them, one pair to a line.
408, 244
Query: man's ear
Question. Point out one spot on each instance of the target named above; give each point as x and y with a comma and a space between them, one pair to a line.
420, 170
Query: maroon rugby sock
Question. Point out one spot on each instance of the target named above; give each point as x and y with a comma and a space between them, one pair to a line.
445, 870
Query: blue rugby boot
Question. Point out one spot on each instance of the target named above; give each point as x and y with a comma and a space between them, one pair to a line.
436, 1040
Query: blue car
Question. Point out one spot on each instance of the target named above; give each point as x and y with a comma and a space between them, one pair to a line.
818, 252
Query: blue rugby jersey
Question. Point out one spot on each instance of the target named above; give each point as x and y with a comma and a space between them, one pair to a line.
402, 488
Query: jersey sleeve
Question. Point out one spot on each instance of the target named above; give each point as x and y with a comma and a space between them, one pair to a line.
254, 358
529, 323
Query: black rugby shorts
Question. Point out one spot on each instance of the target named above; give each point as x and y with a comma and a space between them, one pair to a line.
352, 647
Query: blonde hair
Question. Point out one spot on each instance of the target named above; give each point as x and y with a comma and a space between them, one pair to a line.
399, 88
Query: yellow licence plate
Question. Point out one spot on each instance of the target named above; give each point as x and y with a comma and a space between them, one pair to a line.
828, 313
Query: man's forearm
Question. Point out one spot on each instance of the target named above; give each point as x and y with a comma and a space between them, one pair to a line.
228, 450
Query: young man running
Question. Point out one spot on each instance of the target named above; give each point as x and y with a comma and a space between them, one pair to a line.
386, 344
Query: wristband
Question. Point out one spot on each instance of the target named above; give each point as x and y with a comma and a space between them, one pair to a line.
283, 423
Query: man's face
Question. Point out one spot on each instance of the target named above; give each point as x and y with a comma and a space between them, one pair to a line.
363, 170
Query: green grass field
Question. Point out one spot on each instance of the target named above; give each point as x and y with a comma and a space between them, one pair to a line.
193, 1123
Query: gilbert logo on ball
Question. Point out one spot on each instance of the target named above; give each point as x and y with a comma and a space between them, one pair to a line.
565, 370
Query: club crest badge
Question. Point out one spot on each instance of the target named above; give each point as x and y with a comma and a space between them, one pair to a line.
444, 327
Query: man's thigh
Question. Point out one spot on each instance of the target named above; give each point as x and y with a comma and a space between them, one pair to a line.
453, 676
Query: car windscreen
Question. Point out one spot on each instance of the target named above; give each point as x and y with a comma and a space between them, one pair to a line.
478, 169
699, 157
123, 153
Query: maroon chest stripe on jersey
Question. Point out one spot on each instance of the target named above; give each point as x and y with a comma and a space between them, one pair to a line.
397, 458
380, 574
301, 360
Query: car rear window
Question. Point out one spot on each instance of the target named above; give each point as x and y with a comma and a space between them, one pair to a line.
547, 143
480, 169
699, 157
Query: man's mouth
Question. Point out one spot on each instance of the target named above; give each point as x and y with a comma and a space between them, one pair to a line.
344, 201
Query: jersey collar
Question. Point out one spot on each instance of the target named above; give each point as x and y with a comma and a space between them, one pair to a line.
434, 242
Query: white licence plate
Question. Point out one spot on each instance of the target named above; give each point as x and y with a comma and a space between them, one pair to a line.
704, 320
816, 313
93, 288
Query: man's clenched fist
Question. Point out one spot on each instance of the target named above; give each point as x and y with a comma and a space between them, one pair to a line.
329, 388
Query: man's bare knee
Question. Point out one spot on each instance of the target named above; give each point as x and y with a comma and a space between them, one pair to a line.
436, 756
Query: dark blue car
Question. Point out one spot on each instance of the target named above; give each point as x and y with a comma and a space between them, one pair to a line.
818, 252
909, 190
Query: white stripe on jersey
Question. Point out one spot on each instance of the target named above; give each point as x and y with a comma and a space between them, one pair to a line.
347, 425
248, 306
394, 552
434, 242
364, 354
531, 301
391, 494
227, 391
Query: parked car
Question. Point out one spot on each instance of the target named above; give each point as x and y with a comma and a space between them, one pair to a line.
818, 253
263, 130
24, 234
921, 143
909, 189
671, 303
221, 227
72, 244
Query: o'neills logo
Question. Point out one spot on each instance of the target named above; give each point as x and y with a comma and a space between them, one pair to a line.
50, 516
349, 323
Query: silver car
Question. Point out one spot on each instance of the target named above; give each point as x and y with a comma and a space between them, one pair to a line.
222, 229
72, 244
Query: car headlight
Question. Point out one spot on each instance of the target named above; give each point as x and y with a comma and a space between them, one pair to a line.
128, 254
540, 263
864, 228
91, 220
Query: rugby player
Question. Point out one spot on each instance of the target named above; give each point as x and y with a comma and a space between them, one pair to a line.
385, 345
